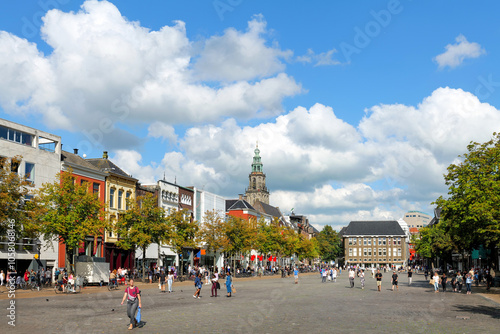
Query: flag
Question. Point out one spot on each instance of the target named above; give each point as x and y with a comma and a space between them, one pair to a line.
252, 257
274, 259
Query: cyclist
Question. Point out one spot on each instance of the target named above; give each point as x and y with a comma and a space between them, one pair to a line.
112, 277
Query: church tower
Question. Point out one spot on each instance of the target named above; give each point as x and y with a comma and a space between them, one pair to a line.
257, 189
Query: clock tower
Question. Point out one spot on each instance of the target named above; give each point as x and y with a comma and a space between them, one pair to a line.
257, 189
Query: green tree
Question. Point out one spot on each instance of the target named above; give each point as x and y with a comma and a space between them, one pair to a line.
143, 224
433, 241
307, 248
268, 240
68, 212
183, 233
240, 235
213, 233
329, 244
470, 213
13, 192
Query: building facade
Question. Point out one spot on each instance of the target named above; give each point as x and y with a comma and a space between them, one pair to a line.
375, 244
119, 189
39, 159
257, 189
85, 173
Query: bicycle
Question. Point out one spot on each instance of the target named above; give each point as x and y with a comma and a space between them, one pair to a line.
113, 285
35, 286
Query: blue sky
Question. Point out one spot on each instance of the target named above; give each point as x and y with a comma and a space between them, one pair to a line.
358, 107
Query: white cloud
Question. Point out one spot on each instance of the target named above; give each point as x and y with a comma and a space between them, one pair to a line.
105, 69
162, 130
321, 59
239, 55
455, 54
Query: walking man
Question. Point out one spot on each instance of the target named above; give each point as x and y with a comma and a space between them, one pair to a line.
296, 275
395, 280
410, 274
378, 277
351, 277
362, 278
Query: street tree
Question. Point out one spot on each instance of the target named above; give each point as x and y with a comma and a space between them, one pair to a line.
470, 212
240, 234
329, 244
143, 224
13, 192
213, 233
433, 241
307, 248
183, 232
69, 212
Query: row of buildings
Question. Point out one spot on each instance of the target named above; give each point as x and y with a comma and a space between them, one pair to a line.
43, 158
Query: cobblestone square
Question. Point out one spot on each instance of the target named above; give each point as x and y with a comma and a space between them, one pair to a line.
267, 305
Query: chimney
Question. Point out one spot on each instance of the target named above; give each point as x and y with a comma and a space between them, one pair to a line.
240, 196
105, 154
75, 150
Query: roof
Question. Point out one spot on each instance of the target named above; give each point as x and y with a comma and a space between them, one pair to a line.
268, 209
380, 227
342, 231
75, 159
106, 165
437, 217
238, 204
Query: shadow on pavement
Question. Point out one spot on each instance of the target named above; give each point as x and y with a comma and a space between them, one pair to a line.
493, 312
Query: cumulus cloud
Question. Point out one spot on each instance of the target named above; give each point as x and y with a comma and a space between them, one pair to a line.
105, 68
455, 54
392, 162
162, 130
321, 59
236, 55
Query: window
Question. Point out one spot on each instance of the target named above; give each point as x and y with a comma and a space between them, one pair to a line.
380, 252
29, 171
364, 252
380, 241
16, 136
127, 199
254, 184
399, 251
384, 251
350, 251
399, 241
369, 241
120, 198
14, 166
364, 241
369, 252
394, 241
112, 198
383, 241
354, 241
46, 144
350, 241
95, 188
355, 252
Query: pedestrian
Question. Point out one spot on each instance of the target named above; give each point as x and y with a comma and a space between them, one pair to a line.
378, 277
215, 282
362, 278
426, 273
489, 279
468, 283
229, 283
207, 276
170, 280
436, 282
133, 296
410, 274
2, 277
454, 283
162, 281
335, 275
323, 275
352, 274
395, 280
198, 284
460, 281
444, 280
296, 275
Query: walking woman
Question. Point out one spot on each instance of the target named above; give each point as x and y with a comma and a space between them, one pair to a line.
436, 282
362, 278
198, 284
444, 280
215, 279
229, 283
460, 281
170, 280
468, 283
133, 296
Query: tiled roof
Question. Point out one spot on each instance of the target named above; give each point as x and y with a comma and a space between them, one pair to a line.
268, 209
238, 204
106, 165
75, 159
342, 231
382, 227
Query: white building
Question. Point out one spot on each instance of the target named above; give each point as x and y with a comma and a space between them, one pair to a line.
40, 162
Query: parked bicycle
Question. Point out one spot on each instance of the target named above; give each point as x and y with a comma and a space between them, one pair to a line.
113, 285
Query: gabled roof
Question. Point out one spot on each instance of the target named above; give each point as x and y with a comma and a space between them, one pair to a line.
380, 227
342, 231
106, 165
238, 204
268, 209
75, 159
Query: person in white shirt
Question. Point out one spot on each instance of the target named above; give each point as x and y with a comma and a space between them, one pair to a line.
2, 277
352, 274
334, 275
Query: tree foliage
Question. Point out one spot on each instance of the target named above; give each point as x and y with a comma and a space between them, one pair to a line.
142, 224
329, 244
471, 214
433, 241
13, 192
69, 212
213, 232
183, 231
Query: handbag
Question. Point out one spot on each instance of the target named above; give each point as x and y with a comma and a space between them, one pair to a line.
233, 289
431, 281
138, 316
217, 285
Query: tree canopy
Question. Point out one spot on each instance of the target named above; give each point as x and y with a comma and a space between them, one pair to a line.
329, 246
470, 213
